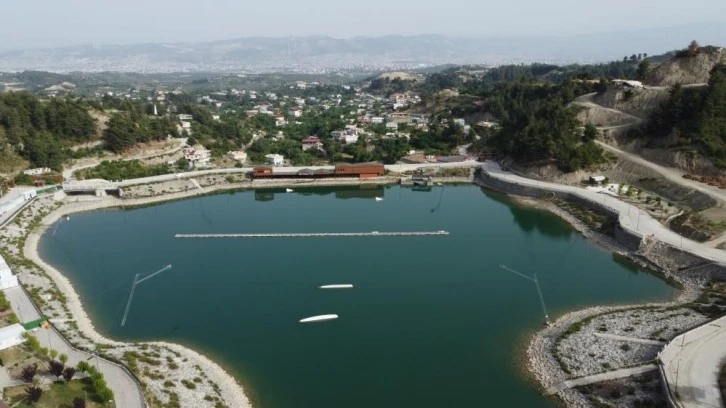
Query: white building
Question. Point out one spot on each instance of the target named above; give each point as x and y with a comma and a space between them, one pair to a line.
275, 159
37, 172
392, 125
11, 336
377, 120
349, 139
460, 122
238, 155
184, 116
7, 279
197, 156
295, 113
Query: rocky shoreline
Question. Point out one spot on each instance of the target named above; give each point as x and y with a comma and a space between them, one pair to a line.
572, 346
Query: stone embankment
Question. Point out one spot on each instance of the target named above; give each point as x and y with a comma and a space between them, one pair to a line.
601, 339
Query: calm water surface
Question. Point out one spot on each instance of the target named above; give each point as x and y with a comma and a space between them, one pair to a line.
431, 322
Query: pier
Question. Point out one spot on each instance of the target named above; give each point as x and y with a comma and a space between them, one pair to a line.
319, 234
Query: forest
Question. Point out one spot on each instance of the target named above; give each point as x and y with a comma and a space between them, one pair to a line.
39, 130
536, 123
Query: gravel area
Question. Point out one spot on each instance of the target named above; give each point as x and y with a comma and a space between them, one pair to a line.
584, 352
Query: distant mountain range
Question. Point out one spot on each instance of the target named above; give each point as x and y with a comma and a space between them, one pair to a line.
315, 54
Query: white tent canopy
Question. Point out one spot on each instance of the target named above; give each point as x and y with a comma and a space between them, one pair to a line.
11, 335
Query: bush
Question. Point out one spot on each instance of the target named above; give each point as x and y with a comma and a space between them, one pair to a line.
68, 373
33, 394
79, 402
56, 368
29, 373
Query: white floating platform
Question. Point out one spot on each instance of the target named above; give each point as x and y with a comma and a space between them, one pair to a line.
338, 286
320, 318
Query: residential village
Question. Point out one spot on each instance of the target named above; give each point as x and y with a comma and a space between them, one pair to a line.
300, 124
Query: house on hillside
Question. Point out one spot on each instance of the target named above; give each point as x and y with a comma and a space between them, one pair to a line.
312, 142
275, 159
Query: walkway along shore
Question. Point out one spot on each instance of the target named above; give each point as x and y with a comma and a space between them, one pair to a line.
637, 236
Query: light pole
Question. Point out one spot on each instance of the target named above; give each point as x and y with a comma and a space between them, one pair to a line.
637, 225
678, 367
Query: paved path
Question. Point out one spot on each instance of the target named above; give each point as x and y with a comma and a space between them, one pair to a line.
21, 304
126, 391
68, 173
6, 381
588, 101
671, 174
629, 339
631, 218
692, 362
399, 168
596, 378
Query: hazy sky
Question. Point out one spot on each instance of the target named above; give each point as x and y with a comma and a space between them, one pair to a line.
50, 23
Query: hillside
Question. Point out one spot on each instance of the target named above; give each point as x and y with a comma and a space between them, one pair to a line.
687, 69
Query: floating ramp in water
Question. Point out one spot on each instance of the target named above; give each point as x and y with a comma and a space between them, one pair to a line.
338, 286
320, 318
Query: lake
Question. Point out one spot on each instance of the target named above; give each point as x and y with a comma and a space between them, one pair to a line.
431, 321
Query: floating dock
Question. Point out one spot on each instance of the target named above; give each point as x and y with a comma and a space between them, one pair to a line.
319, 234
339, 286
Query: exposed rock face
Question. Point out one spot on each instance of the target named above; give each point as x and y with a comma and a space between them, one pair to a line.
687, 70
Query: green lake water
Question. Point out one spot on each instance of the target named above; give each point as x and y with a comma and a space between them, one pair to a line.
431, 322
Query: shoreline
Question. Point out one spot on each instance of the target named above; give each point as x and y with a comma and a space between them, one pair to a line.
538, 362
535, 362
231, 390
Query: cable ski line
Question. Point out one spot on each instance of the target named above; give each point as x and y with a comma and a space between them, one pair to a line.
317, 234
536, 284
133, 290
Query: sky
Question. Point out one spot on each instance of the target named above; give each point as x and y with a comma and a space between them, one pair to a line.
54, 23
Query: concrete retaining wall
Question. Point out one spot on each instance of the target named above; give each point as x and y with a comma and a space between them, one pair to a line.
624, 237
671, 259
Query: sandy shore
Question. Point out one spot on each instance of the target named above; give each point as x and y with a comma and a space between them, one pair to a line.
231, 390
